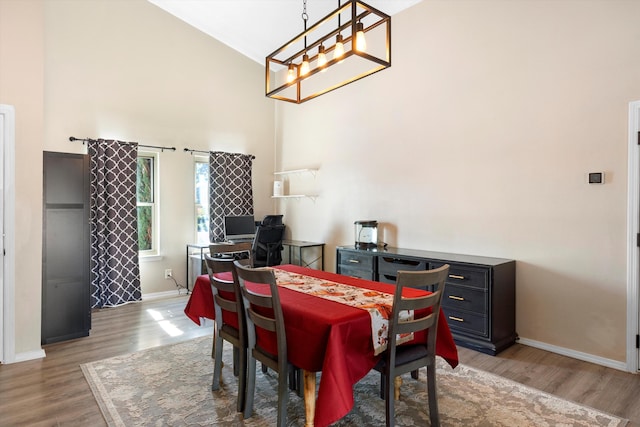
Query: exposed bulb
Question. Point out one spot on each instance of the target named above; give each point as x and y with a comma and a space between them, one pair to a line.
291, 74
304, 68
322, 58
361, 41
338, 51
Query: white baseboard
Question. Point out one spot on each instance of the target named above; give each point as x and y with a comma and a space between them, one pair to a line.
29, 355
586, 357
165, 294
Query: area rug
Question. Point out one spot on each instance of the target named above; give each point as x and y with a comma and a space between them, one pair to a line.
171, 386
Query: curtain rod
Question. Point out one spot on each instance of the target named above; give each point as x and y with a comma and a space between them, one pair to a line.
73, 138
190, 151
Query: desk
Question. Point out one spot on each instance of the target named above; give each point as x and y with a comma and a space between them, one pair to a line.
337, 338
299, 245
195, 260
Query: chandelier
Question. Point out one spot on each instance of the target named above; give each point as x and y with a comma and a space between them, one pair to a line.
352, 42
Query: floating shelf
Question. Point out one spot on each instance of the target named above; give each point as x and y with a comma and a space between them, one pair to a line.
296, 196
295, 171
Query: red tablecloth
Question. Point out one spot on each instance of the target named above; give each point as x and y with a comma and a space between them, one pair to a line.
326, 336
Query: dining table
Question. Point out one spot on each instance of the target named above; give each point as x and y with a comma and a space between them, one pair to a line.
328, 337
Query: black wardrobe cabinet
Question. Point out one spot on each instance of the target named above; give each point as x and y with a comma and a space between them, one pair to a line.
66, 311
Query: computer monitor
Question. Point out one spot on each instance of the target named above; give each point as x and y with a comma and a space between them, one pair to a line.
239, 227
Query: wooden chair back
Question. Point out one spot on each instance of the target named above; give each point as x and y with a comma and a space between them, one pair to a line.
228, 305
231, 251
432, 280
263, 311
400, 359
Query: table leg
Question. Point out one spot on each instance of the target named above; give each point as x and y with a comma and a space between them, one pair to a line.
309, 397
397, 384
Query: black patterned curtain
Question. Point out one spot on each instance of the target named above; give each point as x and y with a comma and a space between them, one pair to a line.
115, 272
230, 189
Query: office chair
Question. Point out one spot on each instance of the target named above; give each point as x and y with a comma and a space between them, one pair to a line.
400, 359
267, 245
272, 220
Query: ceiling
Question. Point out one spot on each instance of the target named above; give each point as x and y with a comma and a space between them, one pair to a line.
256, 28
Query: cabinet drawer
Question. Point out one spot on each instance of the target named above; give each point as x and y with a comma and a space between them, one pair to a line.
356, 271
352, 259
466, 322
464, 298
387, 278
467, 276
390, 265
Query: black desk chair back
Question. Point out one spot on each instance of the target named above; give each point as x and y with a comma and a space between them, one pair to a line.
267, 245
272, 220
400, 359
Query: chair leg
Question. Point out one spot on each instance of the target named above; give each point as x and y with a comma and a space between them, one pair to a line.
292, 380
283, 398
213, 342
389, 399
299, 382
296, 380
236, 357
217, 363
251, 386
415, 374
242, 379
434, 415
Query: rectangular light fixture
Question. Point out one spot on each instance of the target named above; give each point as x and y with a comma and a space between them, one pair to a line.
352, 42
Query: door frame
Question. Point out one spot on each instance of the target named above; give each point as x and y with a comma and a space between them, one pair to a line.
633, 232
7, 204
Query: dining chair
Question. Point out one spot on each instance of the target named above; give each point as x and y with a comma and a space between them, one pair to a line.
400, 359
264, 312
229, 313
232, 251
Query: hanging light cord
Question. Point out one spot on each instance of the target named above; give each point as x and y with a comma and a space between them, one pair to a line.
305, 17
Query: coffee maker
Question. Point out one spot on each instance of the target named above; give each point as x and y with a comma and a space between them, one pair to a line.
366, 233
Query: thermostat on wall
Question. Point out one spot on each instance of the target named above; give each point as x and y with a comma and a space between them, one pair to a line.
596, 177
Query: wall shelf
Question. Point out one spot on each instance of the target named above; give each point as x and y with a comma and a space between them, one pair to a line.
297, 171
296, 196
311, 171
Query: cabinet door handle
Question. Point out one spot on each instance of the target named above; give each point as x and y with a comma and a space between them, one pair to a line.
457, 319
456, 276
456, 298
354, 261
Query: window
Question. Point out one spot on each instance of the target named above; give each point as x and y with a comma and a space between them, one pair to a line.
202, 200
146, 201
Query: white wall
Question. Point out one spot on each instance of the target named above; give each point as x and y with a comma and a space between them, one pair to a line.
21, 85
130, 71
478, 140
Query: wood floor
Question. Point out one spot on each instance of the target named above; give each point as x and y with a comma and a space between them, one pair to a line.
53, 391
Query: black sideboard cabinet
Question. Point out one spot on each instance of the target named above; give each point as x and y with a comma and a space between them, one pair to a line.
479, 300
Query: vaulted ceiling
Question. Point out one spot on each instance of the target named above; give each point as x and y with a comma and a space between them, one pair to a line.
255, 28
